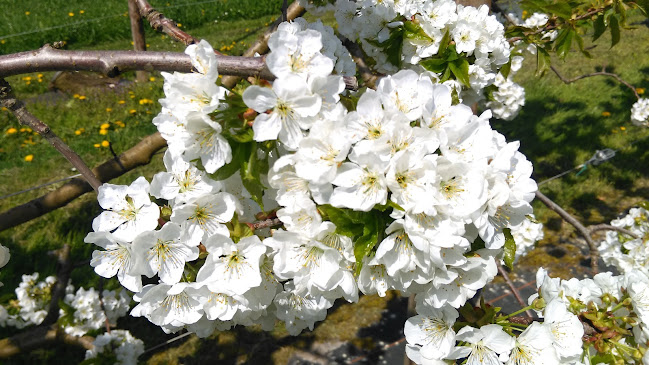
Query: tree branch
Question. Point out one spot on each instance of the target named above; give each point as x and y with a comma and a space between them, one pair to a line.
163, 24
138, 155
62, 278
608, 227
17, 107
594, 252
112, 63
40, 337
601, 73
268, 223
369, 78
510, 283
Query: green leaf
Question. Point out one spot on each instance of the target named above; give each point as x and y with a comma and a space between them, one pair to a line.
339, 217
506, 69
436, 65
509, 248
446, 75
414, 31
542, 61
580, 43
614, 25
560, 8
251, 173
460, 69
563, 43
394, 46
620, 7
443, 45
599, 27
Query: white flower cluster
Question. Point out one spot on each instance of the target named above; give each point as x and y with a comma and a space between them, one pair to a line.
617, 308
640, 112
432, 338
117, 347
505, 97
33, 299
87, 313
625, 253
526, 235
472, 30
424, 189
81, 313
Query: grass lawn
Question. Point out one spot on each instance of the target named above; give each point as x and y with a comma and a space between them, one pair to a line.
560, 127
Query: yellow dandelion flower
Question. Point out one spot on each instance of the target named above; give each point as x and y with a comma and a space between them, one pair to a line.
105, 126
82, 97
120, 124
121, 102
29, 158
103, 132
152, 79
146, 101
179, 25
97, 145
82, 11
640, 90
108, 110
27, 13
132, 111
606, 114
70, 14
623, 128
78, 132
11, 130
76, 96
105, 143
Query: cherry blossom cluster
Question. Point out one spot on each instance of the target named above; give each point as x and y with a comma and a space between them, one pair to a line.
407, 191
640, 112
116, 347
614, 311
82, 311
433, 338
526, 234
472, 32
624, 252
505, 98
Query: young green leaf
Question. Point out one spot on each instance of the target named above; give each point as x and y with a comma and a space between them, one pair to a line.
614, 25
542, 61
509, 248
599, 27
251, 173
563, 43
460, 69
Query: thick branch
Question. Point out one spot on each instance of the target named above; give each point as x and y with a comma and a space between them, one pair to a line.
39, 337
163, 24
139, 155
261, 44
112, 63
594, 252
137, 33
25, 118
601, 73
369, 78
268, 223
608, 227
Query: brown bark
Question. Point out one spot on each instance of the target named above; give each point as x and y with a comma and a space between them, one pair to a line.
139, 155
163, 24
39, 337
137, 34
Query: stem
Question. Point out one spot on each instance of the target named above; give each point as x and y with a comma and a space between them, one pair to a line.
17, 107
515, 313
513, 288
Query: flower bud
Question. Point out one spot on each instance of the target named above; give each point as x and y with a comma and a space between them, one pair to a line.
165, 212
538, 304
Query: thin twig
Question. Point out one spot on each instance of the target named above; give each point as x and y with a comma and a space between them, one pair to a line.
600, 73
512, 287
17, 107
163, 24
369, 78
585, 233
138, 155
552, 24
608, 227
62, 277
268, 223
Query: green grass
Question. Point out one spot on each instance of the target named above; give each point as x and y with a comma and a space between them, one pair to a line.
28, 24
